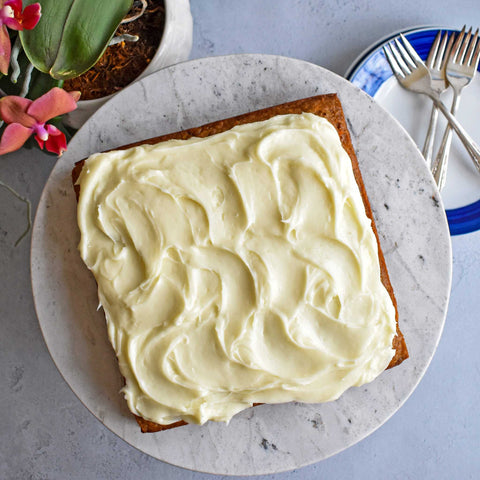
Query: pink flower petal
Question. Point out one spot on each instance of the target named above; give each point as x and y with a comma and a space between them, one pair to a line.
56, 142
14, 110
14, 22
15, 4
55, 102
14, 136
31, 16
5, 49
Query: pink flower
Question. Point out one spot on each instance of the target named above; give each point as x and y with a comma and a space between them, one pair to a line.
26, 117
11, 16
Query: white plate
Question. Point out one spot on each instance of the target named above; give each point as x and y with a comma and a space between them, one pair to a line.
413, 232
372, 74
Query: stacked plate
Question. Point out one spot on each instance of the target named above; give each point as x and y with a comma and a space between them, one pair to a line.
371, 73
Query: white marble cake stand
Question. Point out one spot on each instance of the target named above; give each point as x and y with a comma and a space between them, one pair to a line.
413, 231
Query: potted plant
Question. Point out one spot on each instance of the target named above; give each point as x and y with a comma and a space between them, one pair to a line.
69, 37
174, 42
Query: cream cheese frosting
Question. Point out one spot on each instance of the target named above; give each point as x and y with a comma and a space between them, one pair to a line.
235, 269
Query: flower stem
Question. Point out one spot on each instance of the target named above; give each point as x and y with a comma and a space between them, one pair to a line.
29, 210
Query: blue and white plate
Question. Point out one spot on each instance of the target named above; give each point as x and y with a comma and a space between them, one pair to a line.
371, 73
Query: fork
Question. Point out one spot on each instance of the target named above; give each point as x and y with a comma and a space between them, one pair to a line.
460, 70
436, 61
413, 75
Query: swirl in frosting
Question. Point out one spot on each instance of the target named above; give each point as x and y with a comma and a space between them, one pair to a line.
235, 269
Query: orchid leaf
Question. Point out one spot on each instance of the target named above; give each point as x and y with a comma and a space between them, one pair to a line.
72, 34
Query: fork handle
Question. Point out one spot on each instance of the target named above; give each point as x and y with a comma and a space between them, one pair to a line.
429, 139
439, 169
465, 138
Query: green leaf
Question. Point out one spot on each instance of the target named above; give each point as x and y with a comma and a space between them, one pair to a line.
72, 34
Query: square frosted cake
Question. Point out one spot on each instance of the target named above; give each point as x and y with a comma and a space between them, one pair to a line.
238, 263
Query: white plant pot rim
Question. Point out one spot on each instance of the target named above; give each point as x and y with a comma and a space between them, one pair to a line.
161, 48
175, 46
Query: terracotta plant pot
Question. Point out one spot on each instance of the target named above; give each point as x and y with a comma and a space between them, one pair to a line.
174, 47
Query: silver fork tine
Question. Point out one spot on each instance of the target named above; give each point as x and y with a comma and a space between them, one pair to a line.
442, 53
461, 54
469, 54
432, 55
404, 55
394, 49
456, 47
402, 66
457, 43
476, 56
391, 60
413, 54
450, 44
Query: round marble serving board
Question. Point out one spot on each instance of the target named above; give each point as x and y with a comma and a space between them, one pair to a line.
413, 232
